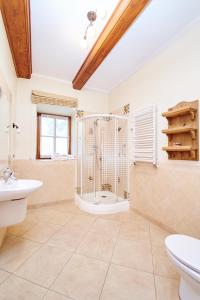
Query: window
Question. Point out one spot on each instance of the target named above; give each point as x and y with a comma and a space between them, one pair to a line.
53, 135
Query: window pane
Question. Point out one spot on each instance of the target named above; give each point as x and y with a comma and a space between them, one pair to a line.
62, 127
46, 147
47, 126
61, 146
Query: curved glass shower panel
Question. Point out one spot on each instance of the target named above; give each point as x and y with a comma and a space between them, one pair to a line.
105, 191
88, 158
79, 157
122, 159
102, 159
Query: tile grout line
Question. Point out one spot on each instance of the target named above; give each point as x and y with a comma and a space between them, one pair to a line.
6, 276
28, 280
59, 293
49, 288
154, 279
73, 252
103, 285
12, 273
20, 276
132, 268
40, 245
46, 223
34, 283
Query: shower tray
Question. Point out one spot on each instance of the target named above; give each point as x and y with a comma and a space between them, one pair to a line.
105, 202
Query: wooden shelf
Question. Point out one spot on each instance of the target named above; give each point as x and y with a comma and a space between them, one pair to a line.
179, 148
182, 131
178, 130
179, 112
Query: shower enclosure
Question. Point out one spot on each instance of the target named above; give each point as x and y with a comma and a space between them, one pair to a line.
102, 166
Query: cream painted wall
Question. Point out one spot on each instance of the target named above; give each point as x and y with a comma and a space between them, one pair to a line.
4, 123
172, 76
25, 143
8, 81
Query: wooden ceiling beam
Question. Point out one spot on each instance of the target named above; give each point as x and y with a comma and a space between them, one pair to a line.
121, 19
16, 17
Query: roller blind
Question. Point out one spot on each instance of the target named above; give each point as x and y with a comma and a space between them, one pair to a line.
53, 99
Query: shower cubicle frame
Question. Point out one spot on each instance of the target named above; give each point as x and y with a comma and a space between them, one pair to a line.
104, 208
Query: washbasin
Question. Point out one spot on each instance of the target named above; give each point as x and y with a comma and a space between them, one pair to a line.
18, 189
13, 200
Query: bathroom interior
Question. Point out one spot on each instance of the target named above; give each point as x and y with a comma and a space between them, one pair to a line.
99, 150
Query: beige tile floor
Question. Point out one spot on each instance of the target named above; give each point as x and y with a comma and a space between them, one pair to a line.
62, 253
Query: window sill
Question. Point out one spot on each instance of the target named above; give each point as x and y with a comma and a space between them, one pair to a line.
57, 159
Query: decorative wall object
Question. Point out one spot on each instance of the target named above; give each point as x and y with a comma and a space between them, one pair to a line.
182, 131
79, 113
126, 109
123, 110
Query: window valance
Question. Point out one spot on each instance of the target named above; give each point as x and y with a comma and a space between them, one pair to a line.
53, 99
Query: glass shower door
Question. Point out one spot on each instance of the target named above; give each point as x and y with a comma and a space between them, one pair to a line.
107, 159
88, 160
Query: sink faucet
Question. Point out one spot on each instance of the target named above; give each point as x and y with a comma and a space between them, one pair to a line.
7, 175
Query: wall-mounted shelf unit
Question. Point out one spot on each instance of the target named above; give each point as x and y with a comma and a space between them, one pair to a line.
179, 148
182, 131
177, 130
180, 112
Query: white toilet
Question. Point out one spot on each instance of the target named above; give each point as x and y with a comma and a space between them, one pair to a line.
184, 252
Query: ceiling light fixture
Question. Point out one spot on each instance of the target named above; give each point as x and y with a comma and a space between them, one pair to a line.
90, 30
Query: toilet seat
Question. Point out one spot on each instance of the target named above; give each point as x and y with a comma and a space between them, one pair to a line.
185, 249
188, 271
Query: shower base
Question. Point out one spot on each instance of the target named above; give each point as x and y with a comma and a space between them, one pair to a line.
104, 203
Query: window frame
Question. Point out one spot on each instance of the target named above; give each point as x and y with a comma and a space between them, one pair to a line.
55, 116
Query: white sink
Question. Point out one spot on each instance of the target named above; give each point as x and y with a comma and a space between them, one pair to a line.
18, 189
13, 202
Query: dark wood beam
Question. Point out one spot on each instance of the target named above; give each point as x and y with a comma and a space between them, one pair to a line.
16, 17
121, 19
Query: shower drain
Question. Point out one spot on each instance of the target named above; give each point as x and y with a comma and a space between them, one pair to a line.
103, 196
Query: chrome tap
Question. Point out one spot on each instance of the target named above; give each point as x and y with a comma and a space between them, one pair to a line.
7, 175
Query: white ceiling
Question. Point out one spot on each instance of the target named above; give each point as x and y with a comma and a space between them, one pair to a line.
58, 25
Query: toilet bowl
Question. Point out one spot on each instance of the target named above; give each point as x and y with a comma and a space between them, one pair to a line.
184, 253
